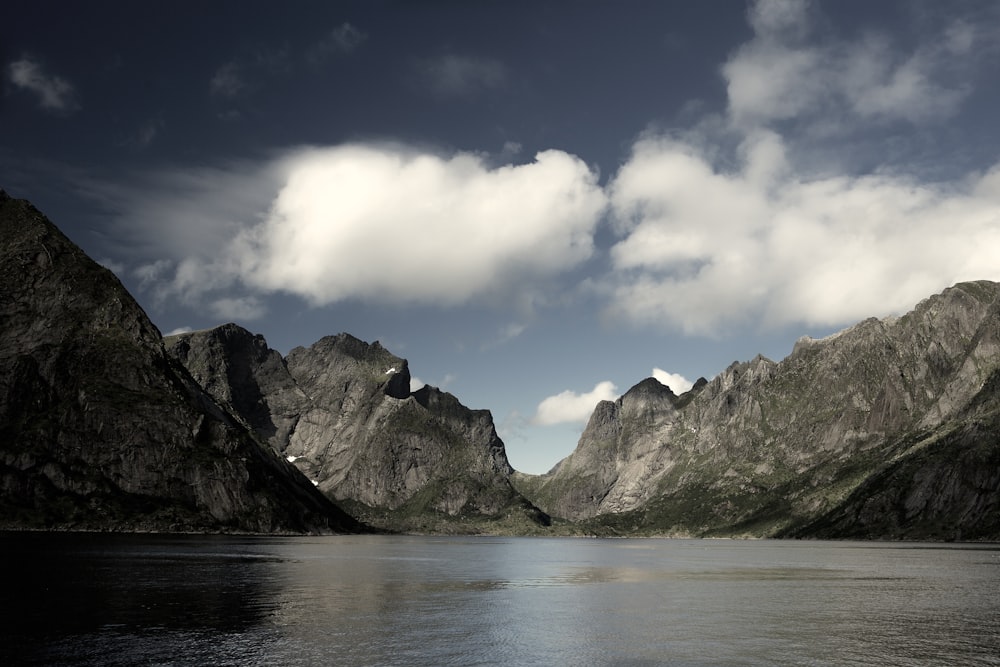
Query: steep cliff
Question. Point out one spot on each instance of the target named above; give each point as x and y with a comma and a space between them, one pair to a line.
943, 485
342, 411
100, 429
767, 448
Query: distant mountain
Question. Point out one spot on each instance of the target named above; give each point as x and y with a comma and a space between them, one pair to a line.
889, 429
101, 430
343, 412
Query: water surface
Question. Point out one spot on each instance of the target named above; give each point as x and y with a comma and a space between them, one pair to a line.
376, 600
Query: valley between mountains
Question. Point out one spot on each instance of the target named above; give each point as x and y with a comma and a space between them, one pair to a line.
889, 429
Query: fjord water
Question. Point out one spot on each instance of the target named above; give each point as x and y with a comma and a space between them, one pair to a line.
76, 599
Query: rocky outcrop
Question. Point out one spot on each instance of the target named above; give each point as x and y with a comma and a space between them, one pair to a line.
944, 485
100, 429
342, 411
240, 371
767, 448
617, 433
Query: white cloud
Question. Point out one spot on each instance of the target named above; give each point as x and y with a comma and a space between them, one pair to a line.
179, 330
768, 82
456, 76
510, 150
152, 272
416, 383
705, 250
384, 223
778, 75
717, 229
569, 406
774, 18
677, 383
54, 92
394, 225
725, 228
879, 84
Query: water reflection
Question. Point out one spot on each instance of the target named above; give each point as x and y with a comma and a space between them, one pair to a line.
72, 587
107, 600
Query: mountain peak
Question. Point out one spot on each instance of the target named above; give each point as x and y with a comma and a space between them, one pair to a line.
650, 387
342, 412
767, 448
100, 429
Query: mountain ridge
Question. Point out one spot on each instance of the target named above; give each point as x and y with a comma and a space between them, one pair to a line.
100, 429
342, 411
888, 429
766, 446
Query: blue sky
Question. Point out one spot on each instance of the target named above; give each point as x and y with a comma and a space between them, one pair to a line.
538, 204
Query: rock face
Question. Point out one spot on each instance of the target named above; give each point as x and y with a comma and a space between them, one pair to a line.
887, 429
100, 429
343, 412
945, 486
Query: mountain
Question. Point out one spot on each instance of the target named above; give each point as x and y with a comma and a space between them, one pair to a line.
100, 429
342, 411
944, 486
889, 429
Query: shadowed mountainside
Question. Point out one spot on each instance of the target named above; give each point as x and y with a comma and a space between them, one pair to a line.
342, 411
100, 429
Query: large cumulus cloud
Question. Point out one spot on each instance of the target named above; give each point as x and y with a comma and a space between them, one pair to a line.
762, 217
394, 225
384, 223
774, 211
707, 251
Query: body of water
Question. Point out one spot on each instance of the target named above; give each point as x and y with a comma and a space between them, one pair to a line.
75, 599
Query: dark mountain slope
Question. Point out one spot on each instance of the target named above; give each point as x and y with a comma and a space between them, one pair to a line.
945, 485
342, 411
100, 429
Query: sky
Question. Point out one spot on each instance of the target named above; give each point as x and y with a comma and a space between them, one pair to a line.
537, 204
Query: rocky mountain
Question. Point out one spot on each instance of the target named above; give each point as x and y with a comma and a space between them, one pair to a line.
943, 486
100, 429
342, 411
886, 429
